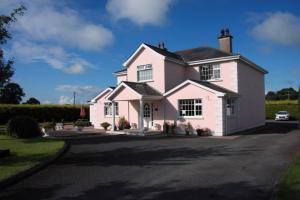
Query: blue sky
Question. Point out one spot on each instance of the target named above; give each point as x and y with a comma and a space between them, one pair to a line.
65, 46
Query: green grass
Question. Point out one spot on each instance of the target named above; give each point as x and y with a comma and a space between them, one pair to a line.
25, 153
289, 186
285, 102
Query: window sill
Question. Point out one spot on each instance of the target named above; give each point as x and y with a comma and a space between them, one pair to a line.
110, 116
191, 117
213, 80
151, 80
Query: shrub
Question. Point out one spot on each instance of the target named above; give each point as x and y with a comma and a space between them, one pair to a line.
82, 123
123, 124
105, 125
42, 113
23, 127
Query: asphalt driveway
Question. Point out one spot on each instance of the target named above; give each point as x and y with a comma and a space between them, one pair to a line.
122, 167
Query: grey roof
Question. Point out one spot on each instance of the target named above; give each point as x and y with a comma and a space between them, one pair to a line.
164, 52
214, 87
142, 89
193, 54
122, 70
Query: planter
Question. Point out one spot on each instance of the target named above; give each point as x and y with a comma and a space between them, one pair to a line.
78, 128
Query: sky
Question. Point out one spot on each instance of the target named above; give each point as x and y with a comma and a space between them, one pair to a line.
65, 46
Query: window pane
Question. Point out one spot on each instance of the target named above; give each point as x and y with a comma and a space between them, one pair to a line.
190, 107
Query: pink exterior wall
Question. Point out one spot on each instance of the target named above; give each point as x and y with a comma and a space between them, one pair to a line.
175, 74
192, 92
252, 97
148, 56
228, 75
125, 94
121, 77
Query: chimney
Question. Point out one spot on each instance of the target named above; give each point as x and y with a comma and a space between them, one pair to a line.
161, 45
225, 40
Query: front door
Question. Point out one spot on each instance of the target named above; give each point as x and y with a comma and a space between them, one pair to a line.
147, 116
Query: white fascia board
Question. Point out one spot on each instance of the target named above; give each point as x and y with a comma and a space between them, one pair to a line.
175, 61
120, 73
252, 64
196, 84
99, 95
212, 60
142, 46
122, 84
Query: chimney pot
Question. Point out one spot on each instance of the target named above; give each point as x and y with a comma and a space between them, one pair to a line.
225, 41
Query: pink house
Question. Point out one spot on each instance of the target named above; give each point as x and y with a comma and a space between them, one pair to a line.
209, 88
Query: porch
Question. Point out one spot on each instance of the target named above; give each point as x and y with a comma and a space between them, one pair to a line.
144, 107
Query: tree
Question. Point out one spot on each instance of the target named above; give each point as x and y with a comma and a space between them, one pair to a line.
11, 93
6, 69
32, 100
6, 20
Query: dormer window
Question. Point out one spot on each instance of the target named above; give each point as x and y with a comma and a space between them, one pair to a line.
144, 72
210, 72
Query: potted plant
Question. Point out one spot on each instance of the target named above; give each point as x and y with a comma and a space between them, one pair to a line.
81, 123
173, 128
105, 125
47, 127
166, 127
206, 132
188, 128
123, 124
199, 131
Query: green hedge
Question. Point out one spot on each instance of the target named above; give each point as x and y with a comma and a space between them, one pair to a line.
293, 109
42, 113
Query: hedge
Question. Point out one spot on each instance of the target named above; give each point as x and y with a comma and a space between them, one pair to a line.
293, 109
42, 113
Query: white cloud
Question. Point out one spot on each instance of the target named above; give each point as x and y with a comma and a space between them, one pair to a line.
85, 90
46, 102
49, 21
65, 100
141, 12
54, 56
278, 27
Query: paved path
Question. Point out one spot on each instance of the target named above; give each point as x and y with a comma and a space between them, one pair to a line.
123, 167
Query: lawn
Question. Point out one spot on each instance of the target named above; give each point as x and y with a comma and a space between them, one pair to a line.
289, 186
25, 153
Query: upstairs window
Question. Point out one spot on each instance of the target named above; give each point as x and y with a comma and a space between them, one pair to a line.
210, 72
144, 72
108, 109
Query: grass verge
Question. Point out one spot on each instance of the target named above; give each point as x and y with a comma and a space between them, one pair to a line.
25, 153
289, 186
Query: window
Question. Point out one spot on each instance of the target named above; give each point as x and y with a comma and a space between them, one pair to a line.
144, 72
108, 109
230, 104
146, 110
190, 107
210, 72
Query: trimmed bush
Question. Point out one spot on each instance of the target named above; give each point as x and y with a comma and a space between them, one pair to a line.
42, 113
23, 127
82, 123
105, 125
271, 110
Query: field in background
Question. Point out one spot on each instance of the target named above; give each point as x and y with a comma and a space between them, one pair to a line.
289, 105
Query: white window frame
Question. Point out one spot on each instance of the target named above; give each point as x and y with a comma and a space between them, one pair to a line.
144, 68
230, 107
195, 104
213, 68
109, 106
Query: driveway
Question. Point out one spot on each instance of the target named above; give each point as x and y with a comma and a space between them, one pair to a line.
124, 167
